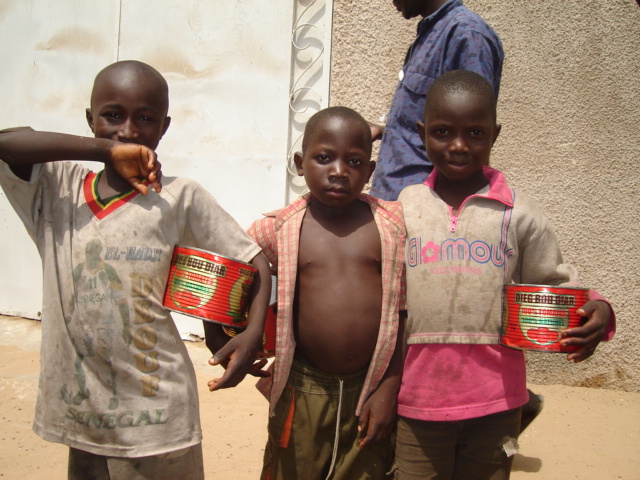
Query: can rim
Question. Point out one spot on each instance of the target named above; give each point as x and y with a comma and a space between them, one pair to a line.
563, 287
217, 255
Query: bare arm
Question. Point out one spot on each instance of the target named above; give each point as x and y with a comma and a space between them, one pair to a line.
238, 355
378, 415
21, 148
376, 131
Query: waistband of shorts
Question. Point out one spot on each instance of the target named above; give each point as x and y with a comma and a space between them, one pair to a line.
301, 371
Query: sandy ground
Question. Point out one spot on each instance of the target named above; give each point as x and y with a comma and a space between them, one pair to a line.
586, 434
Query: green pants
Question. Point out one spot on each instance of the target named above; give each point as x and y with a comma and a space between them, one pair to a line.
315, 416
185, 463
472, 449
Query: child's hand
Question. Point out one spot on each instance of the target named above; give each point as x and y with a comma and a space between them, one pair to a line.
378, 416
589, 335
132, 162
376, 131
238, 357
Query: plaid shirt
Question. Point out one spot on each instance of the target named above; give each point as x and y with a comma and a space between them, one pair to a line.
278, 235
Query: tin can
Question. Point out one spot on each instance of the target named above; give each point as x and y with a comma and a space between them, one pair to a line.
534, 316
209, 286
268, 337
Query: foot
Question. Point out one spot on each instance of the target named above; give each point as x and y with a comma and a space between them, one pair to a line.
80, 396
66, 395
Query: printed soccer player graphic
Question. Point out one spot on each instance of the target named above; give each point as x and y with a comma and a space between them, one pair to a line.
100, 302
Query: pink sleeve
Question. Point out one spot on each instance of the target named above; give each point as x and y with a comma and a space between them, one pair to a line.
611, 329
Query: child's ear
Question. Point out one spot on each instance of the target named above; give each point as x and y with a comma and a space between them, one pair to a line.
89, 115
165, 125
372, 167
497, 132
297, 159
420, 126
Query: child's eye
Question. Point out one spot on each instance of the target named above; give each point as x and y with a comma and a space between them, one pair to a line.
476, 133
322, 158
440, 132
146, 118
355, 162
111, 115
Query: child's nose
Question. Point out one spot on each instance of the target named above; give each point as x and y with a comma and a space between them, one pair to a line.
458, 143
339, 169
128, 130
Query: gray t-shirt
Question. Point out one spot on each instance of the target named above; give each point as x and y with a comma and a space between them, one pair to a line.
115, 378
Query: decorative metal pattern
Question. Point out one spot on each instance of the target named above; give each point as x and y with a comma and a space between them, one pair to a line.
310, 74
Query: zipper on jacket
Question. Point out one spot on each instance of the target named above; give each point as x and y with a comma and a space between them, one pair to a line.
453, 223
453, 219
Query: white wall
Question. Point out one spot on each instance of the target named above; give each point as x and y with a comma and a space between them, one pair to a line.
229, 68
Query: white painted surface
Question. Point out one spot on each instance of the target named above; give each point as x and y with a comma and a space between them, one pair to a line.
228, 65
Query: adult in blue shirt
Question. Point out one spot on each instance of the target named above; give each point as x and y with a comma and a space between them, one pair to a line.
450, 37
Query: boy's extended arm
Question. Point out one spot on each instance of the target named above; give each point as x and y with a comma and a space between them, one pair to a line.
378, 416
238, 354
21, 148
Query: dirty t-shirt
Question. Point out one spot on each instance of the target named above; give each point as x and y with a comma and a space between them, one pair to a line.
115, 378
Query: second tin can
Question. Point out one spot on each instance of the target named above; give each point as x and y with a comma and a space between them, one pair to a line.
534, 316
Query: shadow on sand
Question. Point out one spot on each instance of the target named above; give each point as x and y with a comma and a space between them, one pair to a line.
526, 464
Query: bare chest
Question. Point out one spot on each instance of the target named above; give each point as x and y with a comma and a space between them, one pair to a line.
321, 247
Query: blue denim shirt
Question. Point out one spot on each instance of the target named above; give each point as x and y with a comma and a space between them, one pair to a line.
452, 38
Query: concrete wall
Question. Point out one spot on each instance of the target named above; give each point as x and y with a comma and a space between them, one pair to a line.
570, 112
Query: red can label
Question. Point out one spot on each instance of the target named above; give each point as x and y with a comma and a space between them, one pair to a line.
534, 317
268, 336
209, 286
